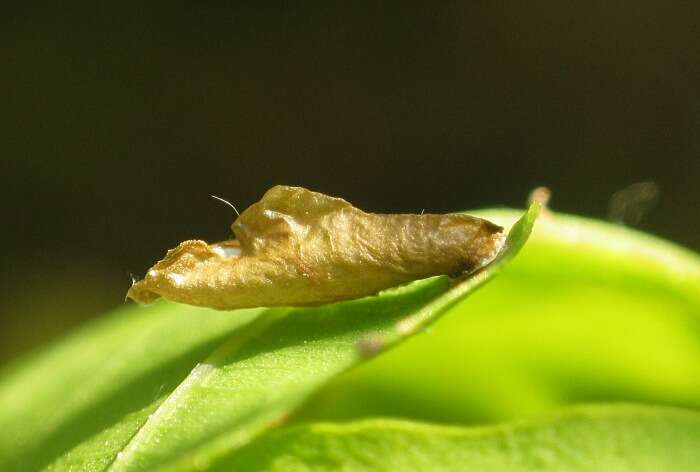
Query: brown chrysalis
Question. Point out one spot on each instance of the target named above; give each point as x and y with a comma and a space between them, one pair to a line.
298, 247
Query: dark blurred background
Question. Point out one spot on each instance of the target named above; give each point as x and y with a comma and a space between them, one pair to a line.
120, 119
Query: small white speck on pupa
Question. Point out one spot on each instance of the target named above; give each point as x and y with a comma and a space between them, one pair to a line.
177, 279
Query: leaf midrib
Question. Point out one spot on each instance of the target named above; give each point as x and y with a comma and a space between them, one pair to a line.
196, 377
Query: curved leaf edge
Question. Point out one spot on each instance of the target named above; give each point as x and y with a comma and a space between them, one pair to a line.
585, 437
518, 235
640, 259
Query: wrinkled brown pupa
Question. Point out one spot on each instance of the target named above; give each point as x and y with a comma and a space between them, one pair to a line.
298, 247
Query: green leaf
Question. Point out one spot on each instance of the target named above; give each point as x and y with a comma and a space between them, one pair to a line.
601, 438
99, 385
588, 312
123, 393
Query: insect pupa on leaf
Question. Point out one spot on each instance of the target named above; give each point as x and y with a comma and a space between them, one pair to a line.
298, 247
